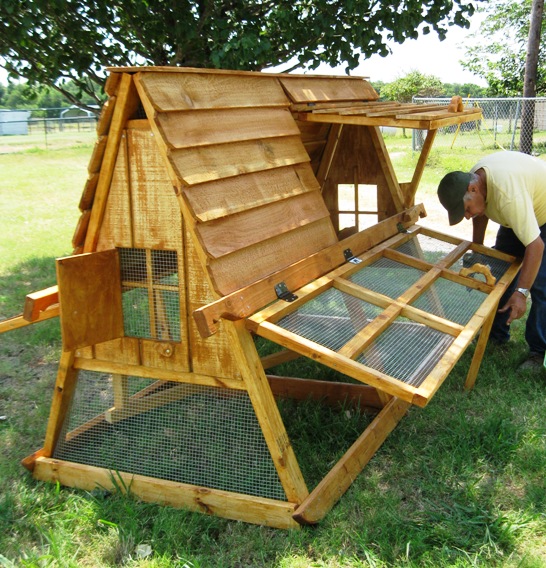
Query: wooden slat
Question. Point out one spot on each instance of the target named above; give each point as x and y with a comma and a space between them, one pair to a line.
78, 238
224, 197
105, 118
199, 165
186, 129
243, 267
434, 115
97, 155
227, 235
311, 89
236, 506
88, 194
20, 321
340, 477
179, 91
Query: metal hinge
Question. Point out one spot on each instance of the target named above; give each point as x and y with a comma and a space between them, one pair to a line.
401, 228
350, 257
283, 293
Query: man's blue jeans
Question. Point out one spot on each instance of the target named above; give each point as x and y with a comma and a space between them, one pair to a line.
535, 330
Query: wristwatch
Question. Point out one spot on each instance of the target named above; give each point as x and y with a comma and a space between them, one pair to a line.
524, 291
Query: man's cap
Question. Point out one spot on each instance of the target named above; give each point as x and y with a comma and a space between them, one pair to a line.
451, 192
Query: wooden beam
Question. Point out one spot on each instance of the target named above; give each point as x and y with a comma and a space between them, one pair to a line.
340, 477
127, 102
235, 506
20, 321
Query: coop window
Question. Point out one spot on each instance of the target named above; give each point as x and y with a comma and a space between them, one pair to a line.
151, 297
357, 205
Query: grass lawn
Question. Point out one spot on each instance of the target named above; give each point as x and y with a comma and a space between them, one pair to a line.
459, 483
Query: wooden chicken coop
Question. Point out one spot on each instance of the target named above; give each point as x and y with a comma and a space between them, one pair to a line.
210, 217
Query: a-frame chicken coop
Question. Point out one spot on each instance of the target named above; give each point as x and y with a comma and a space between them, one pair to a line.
210, 217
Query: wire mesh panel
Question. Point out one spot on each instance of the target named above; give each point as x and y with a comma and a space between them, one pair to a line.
331, 319
426, 248
451, 301
387, 277
406, 351
180, 432
151, 297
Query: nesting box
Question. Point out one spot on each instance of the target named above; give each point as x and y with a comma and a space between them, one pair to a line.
210, 217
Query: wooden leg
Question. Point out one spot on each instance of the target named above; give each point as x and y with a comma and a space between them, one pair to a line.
479, 351
267, 412
340, 477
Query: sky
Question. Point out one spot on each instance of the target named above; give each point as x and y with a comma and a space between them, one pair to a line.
426, 54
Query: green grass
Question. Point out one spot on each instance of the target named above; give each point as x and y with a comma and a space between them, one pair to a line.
460, 483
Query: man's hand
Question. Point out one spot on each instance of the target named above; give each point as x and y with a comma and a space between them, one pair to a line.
517, 304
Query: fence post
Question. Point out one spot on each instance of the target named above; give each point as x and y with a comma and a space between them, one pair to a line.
515, 126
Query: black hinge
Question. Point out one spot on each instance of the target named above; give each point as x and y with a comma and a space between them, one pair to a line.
283, 293
401, 228
350, 257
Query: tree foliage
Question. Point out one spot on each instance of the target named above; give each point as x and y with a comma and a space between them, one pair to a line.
51, 41
498, 54
414, 84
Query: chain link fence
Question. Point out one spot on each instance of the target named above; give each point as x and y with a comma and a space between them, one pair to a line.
44, 127
514, 123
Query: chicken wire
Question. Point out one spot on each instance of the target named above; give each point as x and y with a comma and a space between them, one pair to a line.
150, 293
406, 351
185, 433
331, 319
426, 248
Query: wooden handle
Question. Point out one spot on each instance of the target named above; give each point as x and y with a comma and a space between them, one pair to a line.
482, 269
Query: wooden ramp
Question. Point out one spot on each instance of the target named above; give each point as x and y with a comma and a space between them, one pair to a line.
211, 216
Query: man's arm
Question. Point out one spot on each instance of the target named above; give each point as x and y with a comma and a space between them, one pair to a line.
517, 303
479, 225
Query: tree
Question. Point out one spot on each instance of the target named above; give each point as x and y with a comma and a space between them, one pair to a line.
51, 41
530, 77
414, 84
499, 53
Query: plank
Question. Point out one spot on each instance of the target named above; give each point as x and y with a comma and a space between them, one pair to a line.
434, 115
227, 235
315, 89
245, 266
202, 164
88, 193
340, 477
178, 91
78, 238
186, 129
224, 197
235, 506
38, 302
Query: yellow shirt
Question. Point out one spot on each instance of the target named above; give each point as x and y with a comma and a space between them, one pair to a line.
516, 192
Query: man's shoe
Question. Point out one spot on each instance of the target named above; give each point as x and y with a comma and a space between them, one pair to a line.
535, 362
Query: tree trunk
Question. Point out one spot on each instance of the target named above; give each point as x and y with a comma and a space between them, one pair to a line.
530, 78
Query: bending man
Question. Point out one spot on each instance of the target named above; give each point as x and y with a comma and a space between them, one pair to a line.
510, 189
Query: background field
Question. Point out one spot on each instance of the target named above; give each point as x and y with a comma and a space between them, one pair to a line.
459, 483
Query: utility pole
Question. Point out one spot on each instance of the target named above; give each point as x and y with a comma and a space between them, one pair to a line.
530, 77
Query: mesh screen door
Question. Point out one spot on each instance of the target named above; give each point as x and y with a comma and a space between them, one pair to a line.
399, 317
